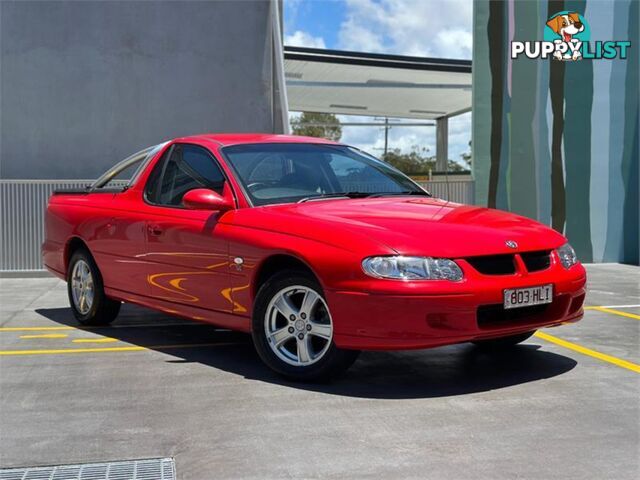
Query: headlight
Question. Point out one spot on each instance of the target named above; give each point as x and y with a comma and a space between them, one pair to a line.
567, 256
412, 268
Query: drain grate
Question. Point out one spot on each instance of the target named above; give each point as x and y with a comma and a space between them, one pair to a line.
145, 469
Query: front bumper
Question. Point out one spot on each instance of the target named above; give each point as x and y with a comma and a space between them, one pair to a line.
429, 314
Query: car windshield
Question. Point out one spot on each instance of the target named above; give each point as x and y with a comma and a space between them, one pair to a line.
293, 172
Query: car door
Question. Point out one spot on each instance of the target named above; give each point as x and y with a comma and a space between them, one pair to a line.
117, 227
187, 257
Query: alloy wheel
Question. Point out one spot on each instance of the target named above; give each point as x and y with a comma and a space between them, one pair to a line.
298, 325
82, 288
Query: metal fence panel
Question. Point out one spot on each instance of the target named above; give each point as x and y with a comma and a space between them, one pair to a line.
22, 207
459, 191
23, 203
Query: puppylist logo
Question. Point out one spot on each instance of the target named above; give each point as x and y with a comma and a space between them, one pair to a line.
566, 38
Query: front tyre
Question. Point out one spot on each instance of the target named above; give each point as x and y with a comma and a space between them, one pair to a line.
88, 301
293, 329
496, 344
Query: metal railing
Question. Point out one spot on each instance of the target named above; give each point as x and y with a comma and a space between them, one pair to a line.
23, 203
459, 191
22, 207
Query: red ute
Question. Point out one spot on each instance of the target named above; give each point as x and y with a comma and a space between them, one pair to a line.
316, 248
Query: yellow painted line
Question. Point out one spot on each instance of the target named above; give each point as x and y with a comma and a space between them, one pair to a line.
614, 312
94, 340
132, 348
103, 327
634, 367
33, 329
71, 350
46, 335
618, 306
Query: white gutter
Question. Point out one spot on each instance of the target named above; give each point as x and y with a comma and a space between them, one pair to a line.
278, 53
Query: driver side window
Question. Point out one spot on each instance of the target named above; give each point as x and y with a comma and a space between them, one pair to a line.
186, 168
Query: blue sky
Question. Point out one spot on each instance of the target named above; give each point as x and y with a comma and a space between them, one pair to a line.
315, 18
431, 28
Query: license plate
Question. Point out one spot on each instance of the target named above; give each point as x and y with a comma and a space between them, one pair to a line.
526, 297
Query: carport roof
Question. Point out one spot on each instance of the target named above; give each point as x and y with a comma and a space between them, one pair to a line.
371, 84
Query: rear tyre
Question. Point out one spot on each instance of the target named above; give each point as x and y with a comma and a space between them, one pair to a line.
293, 330
88, 301
496, 344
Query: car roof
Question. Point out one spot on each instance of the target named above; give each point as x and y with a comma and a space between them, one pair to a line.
226, 139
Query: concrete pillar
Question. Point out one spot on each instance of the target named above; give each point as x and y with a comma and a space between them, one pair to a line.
442, 143
280, 106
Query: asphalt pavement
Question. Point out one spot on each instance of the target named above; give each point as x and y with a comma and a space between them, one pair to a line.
566, 404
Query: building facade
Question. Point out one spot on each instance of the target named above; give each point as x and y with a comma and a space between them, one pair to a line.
85, 84
558, 141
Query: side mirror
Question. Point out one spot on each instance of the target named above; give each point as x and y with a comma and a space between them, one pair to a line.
205, 199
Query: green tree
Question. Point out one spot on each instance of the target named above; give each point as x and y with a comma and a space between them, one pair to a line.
417, 162
319, 125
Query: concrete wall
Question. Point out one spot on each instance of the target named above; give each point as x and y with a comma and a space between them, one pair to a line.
558, 141
84, 84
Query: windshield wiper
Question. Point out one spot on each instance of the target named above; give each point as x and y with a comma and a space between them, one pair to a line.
322, 196
408, 192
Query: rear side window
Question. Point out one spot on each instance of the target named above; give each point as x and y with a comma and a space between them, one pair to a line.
183, 168
126, 172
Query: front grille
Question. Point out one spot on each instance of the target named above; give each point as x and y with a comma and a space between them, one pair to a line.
492, 316
494, 264
506, 265
536, 261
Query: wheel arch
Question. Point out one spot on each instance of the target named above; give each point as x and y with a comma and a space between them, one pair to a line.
277, 263
73, 245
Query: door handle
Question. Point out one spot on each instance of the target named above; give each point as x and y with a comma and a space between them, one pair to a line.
154, 230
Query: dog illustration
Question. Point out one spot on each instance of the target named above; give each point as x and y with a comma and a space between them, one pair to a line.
566, 26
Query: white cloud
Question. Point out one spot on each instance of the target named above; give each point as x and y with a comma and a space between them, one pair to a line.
355, 36
430, 28
304, 39
456, 42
